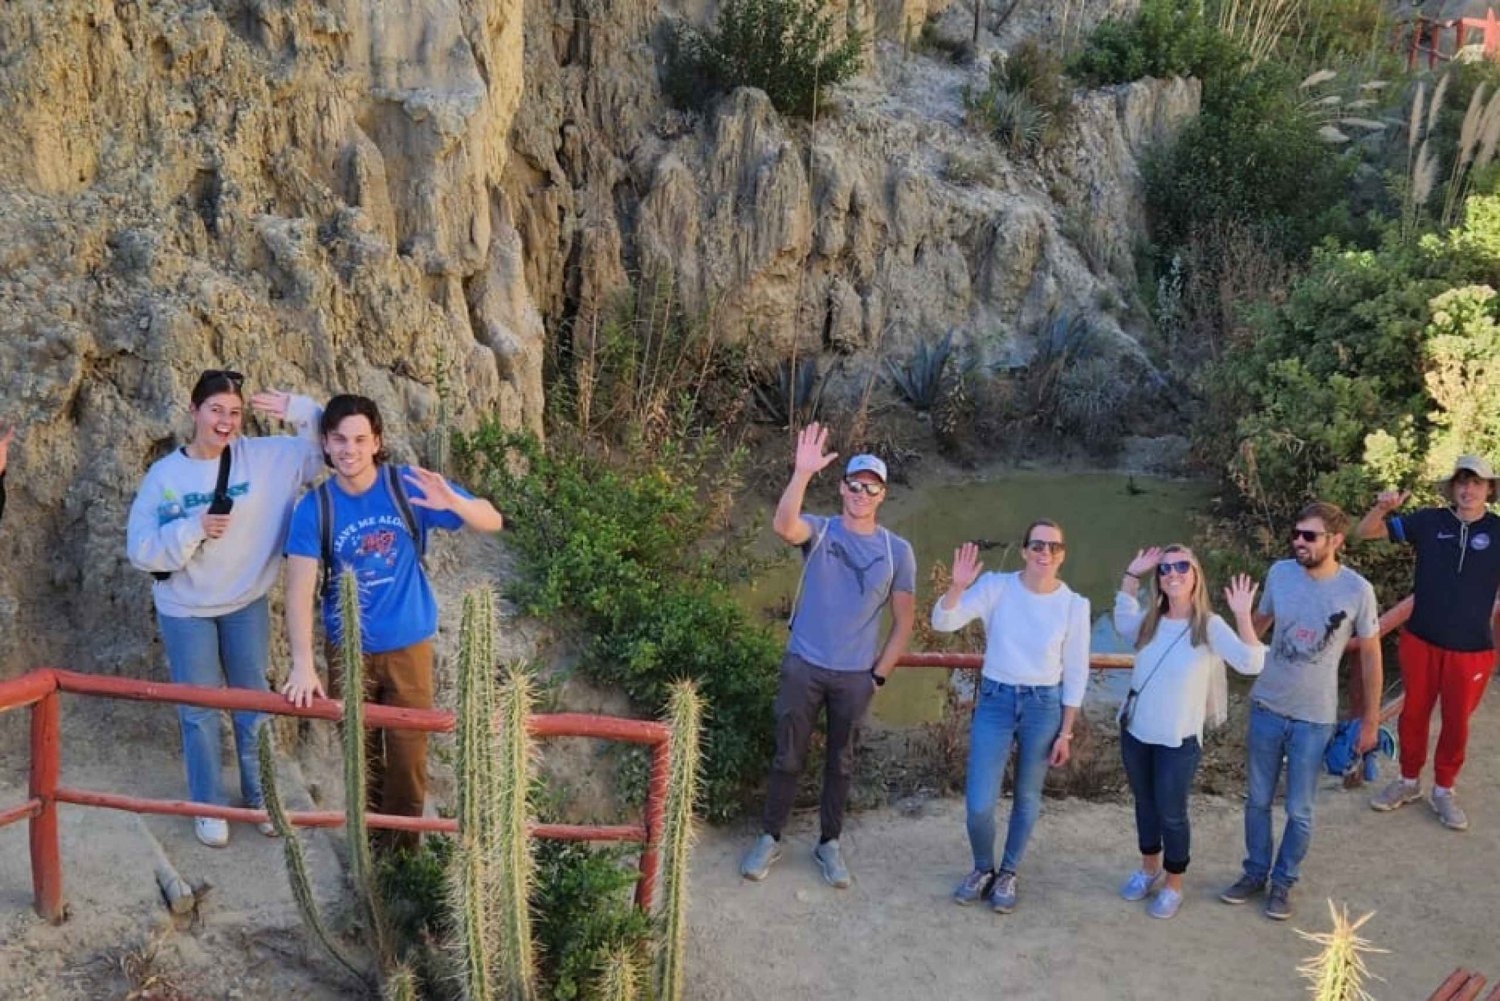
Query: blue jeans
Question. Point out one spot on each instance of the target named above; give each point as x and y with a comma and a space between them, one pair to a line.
1031, 718
208, 651
1160, 778
1272, 738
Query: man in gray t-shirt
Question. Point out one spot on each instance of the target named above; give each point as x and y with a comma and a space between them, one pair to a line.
852, 570
1316, 604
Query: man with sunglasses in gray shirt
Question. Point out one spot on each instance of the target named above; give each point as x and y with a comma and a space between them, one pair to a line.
852, 568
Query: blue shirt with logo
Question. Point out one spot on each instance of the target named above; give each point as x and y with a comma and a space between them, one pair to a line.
396, 605
1458, 571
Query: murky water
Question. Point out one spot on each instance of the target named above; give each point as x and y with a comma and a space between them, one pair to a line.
1106, 517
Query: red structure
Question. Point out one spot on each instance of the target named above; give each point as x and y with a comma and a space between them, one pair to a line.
1441, 41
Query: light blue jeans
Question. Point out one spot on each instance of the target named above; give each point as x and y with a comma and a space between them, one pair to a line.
1030, 717
1274, 737
208, 652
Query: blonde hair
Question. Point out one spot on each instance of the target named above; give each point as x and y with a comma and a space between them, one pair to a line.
1199, 611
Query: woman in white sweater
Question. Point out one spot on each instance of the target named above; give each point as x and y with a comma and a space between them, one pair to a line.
1036, 665
1181, 647
215, 553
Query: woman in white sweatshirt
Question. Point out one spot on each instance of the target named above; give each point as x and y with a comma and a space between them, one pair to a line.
1036, 666
1180, 647
215, 555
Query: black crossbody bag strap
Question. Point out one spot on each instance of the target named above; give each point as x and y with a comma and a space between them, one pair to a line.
325, 533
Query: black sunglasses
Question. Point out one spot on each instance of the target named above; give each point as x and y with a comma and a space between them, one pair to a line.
222, 373
1180, 568
858, 487
1307, 535
1044, 546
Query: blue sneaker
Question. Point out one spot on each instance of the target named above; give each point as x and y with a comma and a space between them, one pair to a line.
1142, 884
1003, 893
975, 885
759, 859
1165, 904
831, 861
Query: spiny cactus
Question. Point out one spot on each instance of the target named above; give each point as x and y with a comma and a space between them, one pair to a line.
356, 776
685, 717
469, 873
1338, 972
296, 862
620, 980
401, 985
512, 863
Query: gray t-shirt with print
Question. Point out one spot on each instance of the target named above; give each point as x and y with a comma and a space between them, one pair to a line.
847, 579
1314, 619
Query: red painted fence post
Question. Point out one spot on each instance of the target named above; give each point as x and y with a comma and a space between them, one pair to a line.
656, 806
46, 860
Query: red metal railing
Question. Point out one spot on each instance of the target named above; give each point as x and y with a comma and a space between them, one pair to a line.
42, 690
1427, 38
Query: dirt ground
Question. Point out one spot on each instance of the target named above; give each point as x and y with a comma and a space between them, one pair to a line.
895, 934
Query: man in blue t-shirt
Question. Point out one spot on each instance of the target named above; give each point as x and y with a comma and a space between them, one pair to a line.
1447, 647
369, 534
851, 570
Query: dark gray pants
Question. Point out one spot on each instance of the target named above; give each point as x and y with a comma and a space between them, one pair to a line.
804, 690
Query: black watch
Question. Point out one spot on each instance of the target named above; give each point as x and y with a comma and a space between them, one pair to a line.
879, 680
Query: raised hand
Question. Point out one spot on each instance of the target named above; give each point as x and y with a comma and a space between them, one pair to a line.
1145, 561
811, 441
5, 438
437, 493
966, 566
272, 403
1240, 594
1390, 500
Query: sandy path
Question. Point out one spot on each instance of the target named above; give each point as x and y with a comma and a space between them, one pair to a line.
895, 934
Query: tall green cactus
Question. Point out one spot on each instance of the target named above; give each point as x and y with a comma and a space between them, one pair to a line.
513, 867
685, 717
296, 862
469, 872
356, 775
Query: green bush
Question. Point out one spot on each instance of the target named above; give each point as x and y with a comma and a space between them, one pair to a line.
1026, 102
783, 47
585, 912
1165, 38
623, 547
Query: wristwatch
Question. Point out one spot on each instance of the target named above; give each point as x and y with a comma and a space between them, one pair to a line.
879, 680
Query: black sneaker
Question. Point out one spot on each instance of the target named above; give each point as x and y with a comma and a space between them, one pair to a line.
1279, 902
1243, 889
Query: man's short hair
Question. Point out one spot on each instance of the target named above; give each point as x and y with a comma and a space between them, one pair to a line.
1335, 521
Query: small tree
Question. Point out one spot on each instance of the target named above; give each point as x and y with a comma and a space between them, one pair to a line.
783, 47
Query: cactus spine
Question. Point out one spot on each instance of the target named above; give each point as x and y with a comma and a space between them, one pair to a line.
296, 862
620, 980
685, 717
513, 866
469, 873
1338, 972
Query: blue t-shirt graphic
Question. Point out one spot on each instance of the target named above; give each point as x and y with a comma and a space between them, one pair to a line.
396, 604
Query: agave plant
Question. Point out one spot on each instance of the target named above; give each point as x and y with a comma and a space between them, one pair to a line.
793, 395
920, 379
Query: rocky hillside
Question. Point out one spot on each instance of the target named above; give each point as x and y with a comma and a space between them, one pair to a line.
394, 196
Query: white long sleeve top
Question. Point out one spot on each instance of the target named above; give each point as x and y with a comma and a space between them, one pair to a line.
212, 577
1030, 638
1171, 707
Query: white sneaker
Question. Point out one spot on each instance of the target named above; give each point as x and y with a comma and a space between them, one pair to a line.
211, 831
267, 828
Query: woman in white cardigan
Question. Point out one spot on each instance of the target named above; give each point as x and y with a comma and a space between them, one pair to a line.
1181, 647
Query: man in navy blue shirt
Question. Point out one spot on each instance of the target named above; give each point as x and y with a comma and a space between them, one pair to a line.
1447, 648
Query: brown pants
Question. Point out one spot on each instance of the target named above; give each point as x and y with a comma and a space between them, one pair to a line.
395, 760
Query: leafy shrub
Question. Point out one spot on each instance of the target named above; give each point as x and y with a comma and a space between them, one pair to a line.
783, 47
622, 546
585, 913
1165, 38
1025, 103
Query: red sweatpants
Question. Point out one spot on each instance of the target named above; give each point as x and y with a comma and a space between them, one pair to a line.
1432, 675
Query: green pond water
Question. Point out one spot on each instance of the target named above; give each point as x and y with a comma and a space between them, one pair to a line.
1106, 517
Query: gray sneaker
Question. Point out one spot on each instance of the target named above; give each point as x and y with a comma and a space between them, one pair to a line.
1279, 902
1243, 889
759, 859
974, 886
1449, 812
1395, 795
831, 861
1003, 893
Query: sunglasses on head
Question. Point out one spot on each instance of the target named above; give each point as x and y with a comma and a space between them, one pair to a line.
1044, 546
860, 487
223, 373
1306, 534
1180, 568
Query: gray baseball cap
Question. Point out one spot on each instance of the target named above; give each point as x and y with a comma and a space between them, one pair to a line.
1468, 464
866, 464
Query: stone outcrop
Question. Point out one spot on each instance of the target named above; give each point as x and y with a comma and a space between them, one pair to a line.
387, 196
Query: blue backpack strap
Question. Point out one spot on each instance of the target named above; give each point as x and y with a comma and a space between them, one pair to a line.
397, 490
325, 534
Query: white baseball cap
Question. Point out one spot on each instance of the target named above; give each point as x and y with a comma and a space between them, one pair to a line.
1468, 464
866, 464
